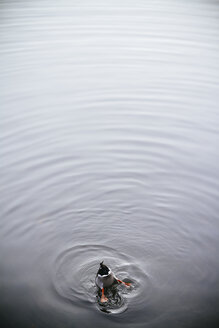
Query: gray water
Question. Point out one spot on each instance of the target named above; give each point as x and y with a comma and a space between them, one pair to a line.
109, 147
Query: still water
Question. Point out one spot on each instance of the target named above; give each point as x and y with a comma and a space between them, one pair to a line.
109, 145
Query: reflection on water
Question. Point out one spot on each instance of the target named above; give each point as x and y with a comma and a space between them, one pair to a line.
109, 145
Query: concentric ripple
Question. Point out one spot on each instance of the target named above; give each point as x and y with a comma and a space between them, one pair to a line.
109, 136
75, 271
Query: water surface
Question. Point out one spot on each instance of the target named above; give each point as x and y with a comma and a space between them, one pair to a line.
109, 151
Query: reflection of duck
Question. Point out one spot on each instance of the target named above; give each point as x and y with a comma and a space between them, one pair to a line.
105, 278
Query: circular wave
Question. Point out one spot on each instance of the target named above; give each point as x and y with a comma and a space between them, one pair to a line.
75, 271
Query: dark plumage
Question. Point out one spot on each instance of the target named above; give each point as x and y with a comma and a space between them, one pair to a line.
103, 270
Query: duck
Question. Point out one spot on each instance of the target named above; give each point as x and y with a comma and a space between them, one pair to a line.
105, 278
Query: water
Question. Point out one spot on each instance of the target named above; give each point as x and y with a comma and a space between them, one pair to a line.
109, 151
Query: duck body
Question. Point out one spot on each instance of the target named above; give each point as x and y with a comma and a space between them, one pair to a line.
105, 277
